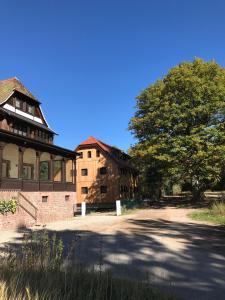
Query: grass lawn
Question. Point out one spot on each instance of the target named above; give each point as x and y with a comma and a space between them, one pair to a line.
214, 214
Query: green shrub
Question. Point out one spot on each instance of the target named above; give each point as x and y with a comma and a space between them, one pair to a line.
130, 204
7, 206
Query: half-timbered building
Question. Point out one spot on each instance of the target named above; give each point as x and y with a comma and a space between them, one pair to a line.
38, 173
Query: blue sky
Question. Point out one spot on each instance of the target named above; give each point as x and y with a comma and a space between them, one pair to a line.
86, 61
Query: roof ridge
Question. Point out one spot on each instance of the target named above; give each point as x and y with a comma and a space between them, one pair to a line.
92, 140
13, 84
10, 78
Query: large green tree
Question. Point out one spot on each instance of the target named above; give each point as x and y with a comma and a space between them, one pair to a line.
180, 125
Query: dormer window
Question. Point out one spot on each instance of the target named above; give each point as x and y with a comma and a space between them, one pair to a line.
17, 103
30, 109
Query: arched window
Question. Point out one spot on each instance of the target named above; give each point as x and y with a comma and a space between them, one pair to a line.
10, 161
45, 159
29, 164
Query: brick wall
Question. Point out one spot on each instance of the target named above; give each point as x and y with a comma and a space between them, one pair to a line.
57, 207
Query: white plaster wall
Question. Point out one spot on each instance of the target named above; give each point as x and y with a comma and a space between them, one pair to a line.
45, 156
29, 156
11, 153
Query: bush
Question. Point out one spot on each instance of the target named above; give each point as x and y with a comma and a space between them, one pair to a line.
130, 204
7, 206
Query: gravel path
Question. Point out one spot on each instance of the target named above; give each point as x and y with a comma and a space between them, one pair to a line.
162, 245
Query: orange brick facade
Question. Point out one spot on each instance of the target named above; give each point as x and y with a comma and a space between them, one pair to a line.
118, 182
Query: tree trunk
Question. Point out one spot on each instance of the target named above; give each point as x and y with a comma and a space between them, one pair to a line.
198, 194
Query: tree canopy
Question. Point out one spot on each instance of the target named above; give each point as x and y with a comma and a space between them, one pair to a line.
180, 124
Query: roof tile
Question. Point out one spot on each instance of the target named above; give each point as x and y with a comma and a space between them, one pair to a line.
8, 86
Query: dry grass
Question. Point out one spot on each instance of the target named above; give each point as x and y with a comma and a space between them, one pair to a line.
214, 214
38, 272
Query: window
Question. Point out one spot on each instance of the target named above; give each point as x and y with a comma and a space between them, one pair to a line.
5, 168
67, 197
103, 171
69, 171
42, 136
44, 198
17, 103
24, 106
84, 172
103, 189
28, 171
44, 170
89, 154
30, 109
19, 129
57, 167
81, 154
84, 190
97, 153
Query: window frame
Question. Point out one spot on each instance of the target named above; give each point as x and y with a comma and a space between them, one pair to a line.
103, 189
84, 172
98, 153
101, 172
31, 166
61, 170
67, 198
16, 100
7, 162
44, 199
84, 190
48, 163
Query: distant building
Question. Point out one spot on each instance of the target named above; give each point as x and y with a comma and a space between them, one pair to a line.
104, 173
32, 169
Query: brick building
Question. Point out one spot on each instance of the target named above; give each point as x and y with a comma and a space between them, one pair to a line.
33, 170
104, 173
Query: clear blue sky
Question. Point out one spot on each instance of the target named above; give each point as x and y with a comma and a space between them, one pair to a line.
86, 61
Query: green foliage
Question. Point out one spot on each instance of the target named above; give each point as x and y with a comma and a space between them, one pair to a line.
8, 206
129, 206
180, 125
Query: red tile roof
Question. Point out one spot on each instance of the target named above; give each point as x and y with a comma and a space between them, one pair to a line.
93, 141
116, 154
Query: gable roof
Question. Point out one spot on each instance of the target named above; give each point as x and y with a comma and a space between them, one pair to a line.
110, 150
9, 86
92, 141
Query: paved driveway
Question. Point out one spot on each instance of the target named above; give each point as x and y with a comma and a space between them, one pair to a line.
160, 245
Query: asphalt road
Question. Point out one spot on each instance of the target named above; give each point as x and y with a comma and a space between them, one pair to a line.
161, 245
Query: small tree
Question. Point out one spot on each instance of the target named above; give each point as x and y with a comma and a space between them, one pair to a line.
180, 124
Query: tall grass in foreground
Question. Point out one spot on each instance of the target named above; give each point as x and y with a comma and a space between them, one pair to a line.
38, 272
214, 214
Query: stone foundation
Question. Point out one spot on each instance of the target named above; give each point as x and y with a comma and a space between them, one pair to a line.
37, 208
